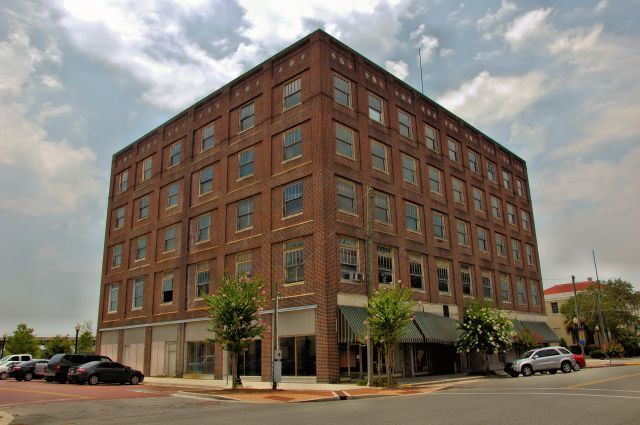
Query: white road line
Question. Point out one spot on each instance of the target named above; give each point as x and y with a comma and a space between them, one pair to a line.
195, 397
5, 418
519, 394
544, 388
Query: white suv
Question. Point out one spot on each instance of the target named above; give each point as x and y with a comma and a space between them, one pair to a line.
8, 361
543, 359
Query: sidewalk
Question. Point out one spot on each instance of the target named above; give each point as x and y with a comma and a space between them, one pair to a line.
631, 361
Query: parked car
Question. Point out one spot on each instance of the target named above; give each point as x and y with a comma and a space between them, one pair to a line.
26, 371
104, 371
8, 361
544, 359
59, 365
580, 362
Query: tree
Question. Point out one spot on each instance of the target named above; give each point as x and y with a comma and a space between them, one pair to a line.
56, 345
526, 340
86, 341
22, 341
234, 315
612, 349
388, 313
484, 329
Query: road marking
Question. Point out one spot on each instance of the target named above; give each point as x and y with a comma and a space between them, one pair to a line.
15, 390
545, 388
598, 381
546, 393
20, 403
5, 418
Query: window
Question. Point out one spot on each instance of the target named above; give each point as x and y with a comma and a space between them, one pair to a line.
114, 291
467, 282
123, 181
526, 222
381, 207
245, 163
483, 239
454, 151
404, 125
478, 199
202, 279
434, 180
174, 154
208, 138
473, 162
462, 229
554, 308
167, 287
530, 255
385, 265
347, 197
495, 207
138, 292
375, 108
342, 91
458, 190
379, 156
443, 276
298, 355
244, 263
143, 208
409, 169
492, 171
520, 189
506, 180
522, 291
413, 217
119, 218
170, 239
535, 300
349, 264
431, 138
344, 141
204, 228
293, 262
147, 166
487, 285
206, 180
141, 248
116, 256
247, 116
504, 288
293, 198
515, 250
501, 249
416, 274
438, 225
292, 94
245, 214
292, 144
172, 192
511, 214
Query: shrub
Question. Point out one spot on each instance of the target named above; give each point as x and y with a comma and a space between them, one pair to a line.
597, 354
612, 349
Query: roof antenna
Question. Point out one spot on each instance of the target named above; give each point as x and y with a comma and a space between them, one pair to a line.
421, 79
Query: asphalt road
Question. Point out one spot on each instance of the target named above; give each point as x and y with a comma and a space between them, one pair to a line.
591, 396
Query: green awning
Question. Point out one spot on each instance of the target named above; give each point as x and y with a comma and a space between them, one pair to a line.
542, 329
517, 325
351, 327
411, 334
437, 329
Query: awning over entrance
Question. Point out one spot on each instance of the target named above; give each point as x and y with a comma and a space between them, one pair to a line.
542, 329
351, 327
437, 329
517, 326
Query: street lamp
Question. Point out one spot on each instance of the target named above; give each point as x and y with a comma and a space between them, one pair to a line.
597, 330
77, 332
4, 342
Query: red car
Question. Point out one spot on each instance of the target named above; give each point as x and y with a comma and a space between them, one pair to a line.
580, 362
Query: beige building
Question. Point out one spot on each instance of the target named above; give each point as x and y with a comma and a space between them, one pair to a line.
555, 297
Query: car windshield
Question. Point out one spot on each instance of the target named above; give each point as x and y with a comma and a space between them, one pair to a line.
57, 357
5, 359
528, 354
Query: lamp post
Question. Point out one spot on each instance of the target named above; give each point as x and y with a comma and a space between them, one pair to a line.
77, 332
576, 321
4, 342
597, 330
369, 197
599, 299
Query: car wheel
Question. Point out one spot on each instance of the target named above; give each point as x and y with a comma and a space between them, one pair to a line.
80, 382
566, 367
576, 367
93, 380
514, 374
3, 376
18, 379
553, 372
28, 376
527, 370
135, 380
48, 379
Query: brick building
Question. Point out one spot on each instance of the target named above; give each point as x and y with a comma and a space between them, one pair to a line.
269, 175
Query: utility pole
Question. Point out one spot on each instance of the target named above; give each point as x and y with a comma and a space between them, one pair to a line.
276, 357
599, 298
369, 261
577, 319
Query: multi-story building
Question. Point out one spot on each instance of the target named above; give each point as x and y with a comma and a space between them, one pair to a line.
557, 296
270, 175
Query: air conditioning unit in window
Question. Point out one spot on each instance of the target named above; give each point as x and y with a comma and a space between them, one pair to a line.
358, 277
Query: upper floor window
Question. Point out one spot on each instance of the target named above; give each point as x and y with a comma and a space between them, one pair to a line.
147, 168
409, 169
116, 256
293, 262
467, 280
292, 144
522, 291
487, 285
379, 156
245, 163
458, 190
462, 229
492, 171
506, 180
143, 208
293, 198
174, 154
172, 195
443, 276
504, 288
511, 214
344, 141
520, 189
535, 299
483, 239
208, 138
454, 150
501, 249
206, 181
170, 238
244, 263
349, 263
202, 279
531, 258
474, 165
247, 116
141, 248
405, 126
416, 273
347, 196
478, 199
123, 183
439, 230
114, 292
342, 90
119, 218
554, 308
245, 214
526, 221
431, 138
435, 178
385, 265
167, 287
138, 293
204, 228
496, 208
413, 217
515, 250
375, 108
381, 207
292, 95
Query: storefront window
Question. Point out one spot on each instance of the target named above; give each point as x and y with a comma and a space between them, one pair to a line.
249, 361
298, 355
200, 358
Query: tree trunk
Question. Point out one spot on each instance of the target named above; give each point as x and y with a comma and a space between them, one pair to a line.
234, 370
379, 362
388, 352
488, 368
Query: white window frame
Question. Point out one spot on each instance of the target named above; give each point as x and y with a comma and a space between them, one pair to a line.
119, 219
116, 252
147, 169
247, 114
458, 192
208, 134
411, 208
487, 277
345, 136
384, 159
454, 150
342, 194
382, 203
474, 164
492, 171
292, 90
293, 250
114, 294
246, 162
409, 168
202, 269
337, 89
141, 249
478, 201
416, 268
170, 234
138, 283
442, 225
200, 227
205, 180
373, 111
248, 213
123, 183
167, 277
483, 243
443, 269
292, 141
291, 193
433, 143
171, 196
175, 152
405, 128
466, 277
384, 254
433, 181
244, 263
464, 233
349, 257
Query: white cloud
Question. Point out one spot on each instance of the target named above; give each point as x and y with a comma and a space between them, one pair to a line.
427, 43
51, 82
491, 23
529, 26
445, 52
602, 5
486, 99
400, 68
49, 111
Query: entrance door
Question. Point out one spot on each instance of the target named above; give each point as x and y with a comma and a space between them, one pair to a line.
170, 358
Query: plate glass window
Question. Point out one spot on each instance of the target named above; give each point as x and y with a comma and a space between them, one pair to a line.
206, 180
491, 171
244, 264
342, 91
245, 163
348, 259
473, 162
141, 248
504, 288
124, 180
245, 214
293, 262
462, 229
119, 222
292, 94
416, 274
381, 207
174, 154
202, 279
385, 265
172, 195
413, 217
379, 156
467, 281
438, 225
375, 108
167, 287
208, 139
483, 239
454, 150
458, 190
170, 239
443, 276
434, 180
247, 116
138, 292
478, 199
204, 228
292, 144
147, 168
293, 198
347, 197
116, 256
114, 291
344, 141
431, 138
487, 286
409, 169
405, 127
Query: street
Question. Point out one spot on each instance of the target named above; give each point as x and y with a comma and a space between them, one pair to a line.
608, 395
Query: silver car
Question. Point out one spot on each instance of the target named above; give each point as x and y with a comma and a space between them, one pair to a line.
546, 359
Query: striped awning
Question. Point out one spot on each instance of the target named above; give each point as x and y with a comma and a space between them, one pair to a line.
351, 327
517, 325
437, 329
542, 329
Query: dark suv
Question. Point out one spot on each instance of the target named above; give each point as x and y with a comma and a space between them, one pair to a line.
59, 365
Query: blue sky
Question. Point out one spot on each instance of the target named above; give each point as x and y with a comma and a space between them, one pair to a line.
555, 82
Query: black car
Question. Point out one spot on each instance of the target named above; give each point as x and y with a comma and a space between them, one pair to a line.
59, 365
26, 371
104, 371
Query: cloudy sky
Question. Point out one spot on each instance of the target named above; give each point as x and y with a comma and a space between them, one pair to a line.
555, 82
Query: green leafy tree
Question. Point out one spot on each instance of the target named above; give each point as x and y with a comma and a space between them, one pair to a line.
612, 349
56, 345
484, 329
388, 313
22, 341
86, 340
234, 315
526, 340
